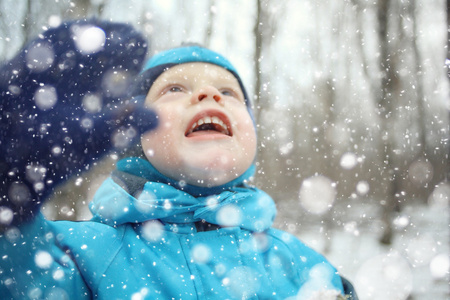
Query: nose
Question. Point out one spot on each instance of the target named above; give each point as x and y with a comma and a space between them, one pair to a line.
207, 92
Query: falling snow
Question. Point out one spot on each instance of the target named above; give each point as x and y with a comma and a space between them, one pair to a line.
89, 39
43, 259
317, 194
229, 216
45, 97
323, 133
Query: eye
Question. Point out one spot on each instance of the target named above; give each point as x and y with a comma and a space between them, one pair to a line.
227, 92
175, 89
172, 89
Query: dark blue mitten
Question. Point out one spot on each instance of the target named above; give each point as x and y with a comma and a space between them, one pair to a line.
63, 105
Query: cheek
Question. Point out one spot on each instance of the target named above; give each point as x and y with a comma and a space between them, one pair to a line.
161, 144
169, 117
159, 141
249, 145
148, 142
166, 118
247, 138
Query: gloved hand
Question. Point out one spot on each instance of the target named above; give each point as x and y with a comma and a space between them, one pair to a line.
64, 105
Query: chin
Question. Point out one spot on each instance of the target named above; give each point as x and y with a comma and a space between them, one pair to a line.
210, 182
211, 177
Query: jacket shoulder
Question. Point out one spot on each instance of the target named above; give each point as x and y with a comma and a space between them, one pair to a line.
312, 267
295, 246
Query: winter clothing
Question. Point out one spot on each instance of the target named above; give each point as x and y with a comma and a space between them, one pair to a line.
186, 54
149, 238
64, 105
188, 204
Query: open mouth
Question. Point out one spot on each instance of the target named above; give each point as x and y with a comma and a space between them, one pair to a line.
209, 123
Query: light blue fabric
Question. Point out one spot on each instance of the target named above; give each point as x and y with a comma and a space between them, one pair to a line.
249, 208
233, 205
148, 247
143, 168
188, 54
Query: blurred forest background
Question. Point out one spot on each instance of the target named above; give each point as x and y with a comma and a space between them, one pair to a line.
352, 102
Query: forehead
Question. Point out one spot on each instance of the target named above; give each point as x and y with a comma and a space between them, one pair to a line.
197, 71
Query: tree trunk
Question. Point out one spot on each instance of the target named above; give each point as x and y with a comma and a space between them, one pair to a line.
210, 26
419, 88
386, 101
257, 31
27, 23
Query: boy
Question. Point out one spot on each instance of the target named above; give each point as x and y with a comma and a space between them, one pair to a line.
180, 221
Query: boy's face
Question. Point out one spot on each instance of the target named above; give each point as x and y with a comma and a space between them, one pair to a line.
206, 136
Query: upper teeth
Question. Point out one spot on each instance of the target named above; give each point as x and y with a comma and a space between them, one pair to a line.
209, 120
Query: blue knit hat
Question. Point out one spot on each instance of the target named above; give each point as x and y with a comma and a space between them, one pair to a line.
162, 61
189, 54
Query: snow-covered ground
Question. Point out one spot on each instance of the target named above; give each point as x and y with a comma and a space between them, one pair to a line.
415, 266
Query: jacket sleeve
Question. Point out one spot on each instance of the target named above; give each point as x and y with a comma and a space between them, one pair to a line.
33, 266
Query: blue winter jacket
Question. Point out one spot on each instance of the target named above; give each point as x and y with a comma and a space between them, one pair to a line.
153, 240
